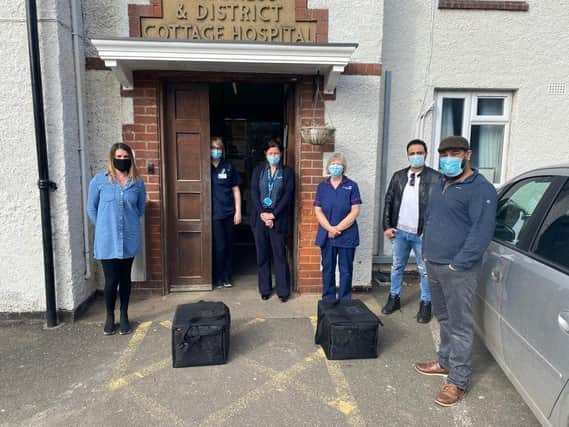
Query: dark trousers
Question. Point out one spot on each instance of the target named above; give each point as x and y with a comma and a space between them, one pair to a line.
222, 249
117, 275
344, 257
269, 242
452, 297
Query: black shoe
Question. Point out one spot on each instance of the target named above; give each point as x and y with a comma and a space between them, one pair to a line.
393, 303
109, 328
125, 328
265, 297
424, 314
283, 299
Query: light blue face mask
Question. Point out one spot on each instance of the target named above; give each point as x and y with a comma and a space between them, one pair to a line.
273, 160
216, 153
451, 166
336, 170
417, 160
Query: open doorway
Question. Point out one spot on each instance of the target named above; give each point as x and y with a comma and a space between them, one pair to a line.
246, 116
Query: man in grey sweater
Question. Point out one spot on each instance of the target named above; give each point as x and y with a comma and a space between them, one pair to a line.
459, 225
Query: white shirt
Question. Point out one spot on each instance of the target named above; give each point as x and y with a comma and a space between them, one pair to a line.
409, 211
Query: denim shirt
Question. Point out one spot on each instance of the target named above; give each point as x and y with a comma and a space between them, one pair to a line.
116, 211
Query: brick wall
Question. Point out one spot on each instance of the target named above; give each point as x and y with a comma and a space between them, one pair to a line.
144, 137
309, 275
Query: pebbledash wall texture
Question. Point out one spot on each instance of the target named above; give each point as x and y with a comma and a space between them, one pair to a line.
21, 256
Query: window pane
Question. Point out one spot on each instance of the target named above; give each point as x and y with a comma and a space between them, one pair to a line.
490, 107
553, 239
516, 207
451, 122
486, 142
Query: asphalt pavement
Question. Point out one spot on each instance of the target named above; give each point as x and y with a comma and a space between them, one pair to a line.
276, 376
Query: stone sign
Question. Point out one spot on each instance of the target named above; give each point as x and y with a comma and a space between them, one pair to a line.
245, 20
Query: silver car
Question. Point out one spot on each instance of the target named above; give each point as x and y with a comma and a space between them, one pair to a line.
522, 305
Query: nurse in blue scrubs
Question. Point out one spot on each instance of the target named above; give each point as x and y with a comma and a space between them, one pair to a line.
226, 212
336, 206
272, 190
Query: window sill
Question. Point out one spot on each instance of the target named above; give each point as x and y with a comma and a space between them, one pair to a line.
512, 6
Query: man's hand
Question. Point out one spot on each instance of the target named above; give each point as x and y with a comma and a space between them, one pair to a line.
390, 233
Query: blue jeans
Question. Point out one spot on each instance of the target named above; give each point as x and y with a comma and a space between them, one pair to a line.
345, 258
403, 243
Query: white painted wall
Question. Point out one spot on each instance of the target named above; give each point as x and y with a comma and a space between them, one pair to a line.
21, 254
522, 51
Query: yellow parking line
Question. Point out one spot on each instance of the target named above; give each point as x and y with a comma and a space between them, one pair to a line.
345, 403
151, 369
279, 380
162, 414
128, 354
290, 381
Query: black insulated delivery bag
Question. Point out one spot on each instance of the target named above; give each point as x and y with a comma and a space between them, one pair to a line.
347, 330
200, 334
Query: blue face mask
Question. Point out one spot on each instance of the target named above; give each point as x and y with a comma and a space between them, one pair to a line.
273, 160
216, 153
417, 160
451, 166
335, 170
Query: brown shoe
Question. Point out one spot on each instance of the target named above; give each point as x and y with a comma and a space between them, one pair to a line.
431, 368
449, 395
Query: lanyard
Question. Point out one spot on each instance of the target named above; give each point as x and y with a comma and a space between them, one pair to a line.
271, 180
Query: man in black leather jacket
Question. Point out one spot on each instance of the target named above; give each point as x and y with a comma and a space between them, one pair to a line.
403, 220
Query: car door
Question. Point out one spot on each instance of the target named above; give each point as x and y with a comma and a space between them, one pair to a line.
533, 297
511, 234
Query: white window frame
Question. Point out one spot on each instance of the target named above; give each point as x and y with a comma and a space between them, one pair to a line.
470, 118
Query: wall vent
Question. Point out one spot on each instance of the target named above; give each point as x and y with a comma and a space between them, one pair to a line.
557, 88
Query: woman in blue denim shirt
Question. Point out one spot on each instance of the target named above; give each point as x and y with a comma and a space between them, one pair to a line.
115, 205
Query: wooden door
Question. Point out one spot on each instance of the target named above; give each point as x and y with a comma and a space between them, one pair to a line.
188, 203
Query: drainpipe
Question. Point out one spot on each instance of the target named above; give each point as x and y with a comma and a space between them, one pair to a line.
76, 27
44, 184
384, 157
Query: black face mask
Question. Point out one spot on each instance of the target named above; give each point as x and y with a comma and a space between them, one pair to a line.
122, 165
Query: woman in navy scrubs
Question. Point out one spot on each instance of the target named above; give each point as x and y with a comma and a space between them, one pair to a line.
272, 190
337, 205
226, 212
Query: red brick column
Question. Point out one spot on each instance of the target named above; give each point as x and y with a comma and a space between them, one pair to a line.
144, 137
310, 172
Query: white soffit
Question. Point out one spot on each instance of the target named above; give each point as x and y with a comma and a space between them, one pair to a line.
124, 56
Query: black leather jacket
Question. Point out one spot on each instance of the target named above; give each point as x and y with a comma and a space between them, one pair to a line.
394, 194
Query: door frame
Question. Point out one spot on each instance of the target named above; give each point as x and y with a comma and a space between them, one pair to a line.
292, 109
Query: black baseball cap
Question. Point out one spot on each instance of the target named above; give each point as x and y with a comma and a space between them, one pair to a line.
454, 142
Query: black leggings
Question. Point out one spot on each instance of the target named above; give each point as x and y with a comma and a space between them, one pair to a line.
117, 274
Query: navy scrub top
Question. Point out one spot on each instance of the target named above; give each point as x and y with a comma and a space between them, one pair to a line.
336, 204
223, 178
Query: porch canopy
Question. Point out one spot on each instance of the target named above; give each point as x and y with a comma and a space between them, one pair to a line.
124, 56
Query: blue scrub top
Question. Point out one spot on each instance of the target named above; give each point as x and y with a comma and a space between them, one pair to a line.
223, 178
336, 204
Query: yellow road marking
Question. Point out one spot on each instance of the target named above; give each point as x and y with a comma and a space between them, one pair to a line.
346, 403
279, 380
151, 369
167, 324
128, 354
290, 381
162, 414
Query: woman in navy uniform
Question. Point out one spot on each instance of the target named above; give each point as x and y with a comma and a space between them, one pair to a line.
336, 206
272, 190
226, 212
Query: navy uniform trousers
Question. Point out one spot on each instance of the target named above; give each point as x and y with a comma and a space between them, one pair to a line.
271, 252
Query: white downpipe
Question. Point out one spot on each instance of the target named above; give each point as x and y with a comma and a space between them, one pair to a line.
77, 39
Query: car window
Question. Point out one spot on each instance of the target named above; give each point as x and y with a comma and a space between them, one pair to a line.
552, 241
516, 207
